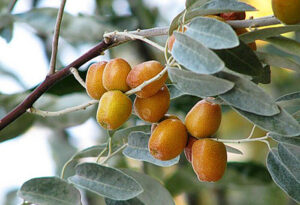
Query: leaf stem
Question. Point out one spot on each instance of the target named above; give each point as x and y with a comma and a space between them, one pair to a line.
242, 140
74, 71
114, 153
252, 132
62, 175
100, 155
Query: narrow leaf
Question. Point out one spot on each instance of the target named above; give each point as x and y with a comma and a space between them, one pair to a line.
282, 176
194, 56
93, 151
207, 32
284, 139
174, 92
198, 84
233, 150
106, 181
138, 149
134, 201
285, 44
49, 191
290, 96
249, 97
121, 135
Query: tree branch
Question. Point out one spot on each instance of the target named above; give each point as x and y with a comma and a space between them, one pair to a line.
107, 43
56, 37
11, 6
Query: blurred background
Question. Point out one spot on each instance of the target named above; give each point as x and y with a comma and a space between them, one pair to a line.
35, 146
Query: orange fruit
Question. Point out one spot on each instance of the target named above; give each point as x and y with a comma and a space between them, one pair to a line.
188, 148
287, 11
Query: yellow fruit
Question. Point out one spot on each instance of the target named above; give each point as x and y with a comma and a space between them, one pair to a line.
153, 108
143, 72
115, 74
113, 110
204, 119
165, 117
94, 85
188, 148
287, 11
168, 139
209, 159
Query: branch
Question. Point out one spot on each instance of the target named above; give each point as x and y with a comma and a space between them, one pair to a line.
11, 6
252, 23
56, 37
92, 53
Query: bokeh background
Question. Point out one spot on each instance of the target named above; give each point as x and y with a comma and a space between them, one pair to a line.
42, 149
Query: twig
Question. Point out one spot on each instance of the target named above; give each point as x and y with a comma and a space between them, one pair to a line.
114, 153
11, 6
252, 131
74, 71
61, 112
100, 155
253, 23
145, 83
56, 37
241, 140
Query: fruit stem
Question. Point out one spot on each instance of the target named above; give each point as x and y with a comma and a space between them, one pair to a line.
61, 112
100, 155
74, 71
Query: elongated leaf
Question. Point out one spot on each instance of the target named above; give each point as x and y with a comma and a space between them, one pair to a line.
290, 96
134, 201
290, 157
194, 56
175, 92
267, 32
282, 176
198, 84
154, 192
286, 140
207, 32
249, 97
233, 150
285, 44
138, 149
282, 123
241, 59
49, 191
93, 151
106, 181
278, 61
121, 135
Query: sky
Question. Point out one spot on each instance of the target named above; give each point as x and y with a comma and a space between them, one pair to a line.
29, 155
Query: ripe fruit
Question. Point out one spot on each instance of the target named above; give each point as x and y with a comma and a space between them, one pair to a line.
115, 74
94, 86
168, 139
113, 110
188, 148
204, 119
209, 159
143, 72
153, 108
165, 117
240, 31
287, 11
233, 16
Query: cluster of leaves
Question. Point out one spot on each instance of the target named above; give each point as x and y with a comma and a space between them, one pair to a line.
217, 63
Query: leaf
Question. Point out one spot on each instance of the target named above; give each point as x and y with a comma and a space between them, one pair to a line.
6, 26
138, 149
93, 151
207, 32
290, 157
198, 84
290, 96
49, 191
233, 150
174, 92
188, 3
106, 181
194, 56
282, 123
285, 44
11, 74
282, 176
278, 61
267, 32
121, 135
284, 139
249, 97
264, 77
241, 59
133, 201
154, 192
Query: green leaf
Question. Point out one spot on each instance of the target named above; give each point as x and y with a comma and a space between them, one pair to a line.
282, 176
154, 192
188, 3
207, 32
138, 149
8, 72
267, 32
106, 181
249, 97
198, 84
93, 151
49, 191
284, 139
174, 92
290, 96
121, 135
133, 201
6, 26
264, 77
194, 56
285, 44
233, 150
241, 59
282, 123
290, 157
278, 61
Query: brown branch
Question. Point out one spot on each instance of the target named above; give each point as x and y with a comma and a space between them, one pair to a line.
11, 6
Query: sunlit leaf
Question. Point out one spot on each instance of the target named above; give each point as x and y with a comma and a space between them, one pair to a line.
285, 44
290, 96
